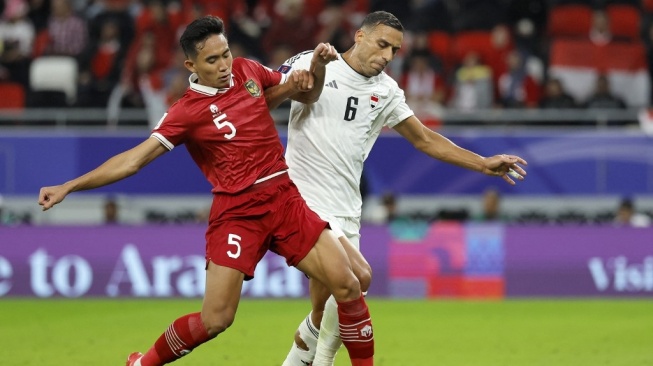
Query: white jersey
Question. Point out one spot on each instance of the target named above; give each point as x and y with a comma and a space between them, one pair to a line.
329, 140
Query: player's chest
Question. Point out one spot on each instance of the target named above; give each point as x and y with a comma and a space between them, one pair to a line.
238, 113
351, 104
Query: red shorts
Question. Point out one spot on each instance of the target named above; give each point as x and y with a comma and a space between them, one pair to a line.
270, 215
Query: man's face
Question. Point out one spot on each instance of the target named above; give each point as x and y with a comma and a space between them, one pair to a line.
213, 62
375, 48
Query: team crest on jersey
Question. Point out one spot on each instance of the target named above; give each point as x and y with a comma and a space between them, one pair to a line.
253, 88
213, 108
374, 100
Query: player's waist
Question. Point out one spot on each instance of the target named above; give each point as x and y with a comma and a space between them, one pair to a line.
272, 179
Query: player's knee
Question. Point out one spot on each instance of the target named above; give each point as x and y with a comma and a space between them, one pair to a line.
217, 323
347, 289
365, 277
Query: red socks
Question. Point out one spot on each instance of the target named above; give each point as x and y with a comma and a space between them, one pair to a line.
356, 331
181, 337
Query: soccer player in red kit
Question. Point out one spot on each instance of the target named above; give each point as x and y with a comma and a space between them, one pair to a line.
224, 122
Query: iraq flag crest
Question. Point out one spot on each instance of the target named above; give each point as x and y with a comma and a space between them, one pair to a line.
374, 100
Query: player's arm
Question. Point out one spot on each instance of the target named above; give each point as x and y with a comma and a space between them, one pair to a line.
304, 87
439, 147
297, 82
116, 168
323, 54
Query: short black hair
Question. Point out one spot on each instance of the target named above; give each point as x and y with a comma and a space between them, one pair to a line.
198, 31
384, 18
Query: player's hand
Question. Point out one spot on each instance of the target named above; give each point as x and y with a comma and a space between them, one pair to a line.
301, 80
505, 166
323, 54
50, 196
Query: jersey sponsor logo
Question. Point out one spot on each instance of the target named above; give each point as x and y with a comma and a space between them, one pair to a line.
284, 69
374, 100
332, 84
253, 88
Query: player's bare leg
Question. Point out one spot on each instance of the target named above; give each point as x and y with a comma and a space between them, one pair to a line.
322, 321
328, 263
222, 295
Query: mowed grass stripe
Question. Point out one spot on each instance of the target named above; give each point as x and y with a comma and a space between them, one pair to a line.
457, 333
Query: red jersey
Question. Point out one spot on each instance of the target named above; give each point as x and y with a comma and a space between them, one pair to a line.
228, 132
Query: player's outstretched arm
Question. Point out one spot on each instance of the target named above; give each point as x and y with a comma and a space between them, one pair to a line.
439, 147
116, 168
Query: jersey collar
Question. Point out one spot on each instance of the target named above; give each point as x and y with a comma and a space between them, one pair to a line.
207, 90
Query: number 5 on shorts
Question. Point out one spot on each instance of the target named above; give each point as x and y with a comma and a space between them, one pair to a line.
234, 240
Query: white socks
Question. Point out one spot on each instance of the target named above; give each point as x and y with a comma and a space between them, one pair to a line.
329, 341
308, 333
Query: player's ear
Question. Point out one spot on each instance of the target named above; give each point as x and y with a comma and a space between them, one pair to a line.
359, 35
190, 65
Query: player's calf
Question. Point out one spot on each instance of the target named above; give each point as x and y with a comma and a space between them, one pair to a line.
356, 331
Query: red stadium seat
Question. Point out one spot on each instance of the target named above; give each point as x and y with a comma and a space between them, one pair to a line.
440, 43
473, 41
12, 96
569, 21
647, 5
625, 20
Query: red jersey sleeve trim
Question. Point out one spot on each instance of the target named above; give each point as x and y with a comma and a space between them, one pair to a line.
163, 141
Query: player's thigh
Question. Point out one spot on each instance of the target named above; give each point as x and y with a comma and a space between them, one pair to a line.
327, 262
348, 231
361, 268
221, 298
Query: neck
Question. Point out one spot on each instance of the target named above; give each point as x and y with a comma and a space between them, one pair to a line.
349, 58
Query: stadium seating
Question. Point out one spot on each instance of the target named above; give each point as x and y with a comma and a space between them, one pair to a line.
578, 62
473, 41
13, 96
573, 20
647, 5
625, 21
55, 73
440, 43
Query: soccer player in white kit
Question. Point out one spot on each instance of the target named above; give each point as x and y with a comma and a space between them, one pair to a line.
329, 140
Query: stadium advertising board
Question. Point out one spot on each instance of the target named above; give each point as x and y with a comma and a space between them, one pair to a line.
116, 261
409, 260
578, 261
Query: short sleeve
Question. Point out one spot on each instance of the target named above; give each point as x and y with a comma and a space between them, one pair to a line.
269, 77
171, 129
401, 110
301, 61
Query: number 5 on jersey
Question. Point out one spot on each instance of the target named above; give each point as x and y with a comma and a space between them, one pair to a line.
234, 240
221, 125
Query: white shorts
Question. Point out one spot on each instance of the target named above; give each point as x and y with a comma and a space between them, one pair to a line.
349, 227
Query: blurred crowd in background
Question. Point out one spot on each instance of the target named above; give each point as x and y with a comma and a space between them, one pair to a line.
463, 54
466, 55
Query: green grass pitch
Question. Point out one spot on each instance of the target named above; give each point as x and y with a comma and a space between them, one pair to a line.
448, 333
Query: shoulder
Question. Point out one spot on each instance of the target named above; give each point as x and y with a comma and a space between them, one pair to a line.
246, 64
293, 61
388, 80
